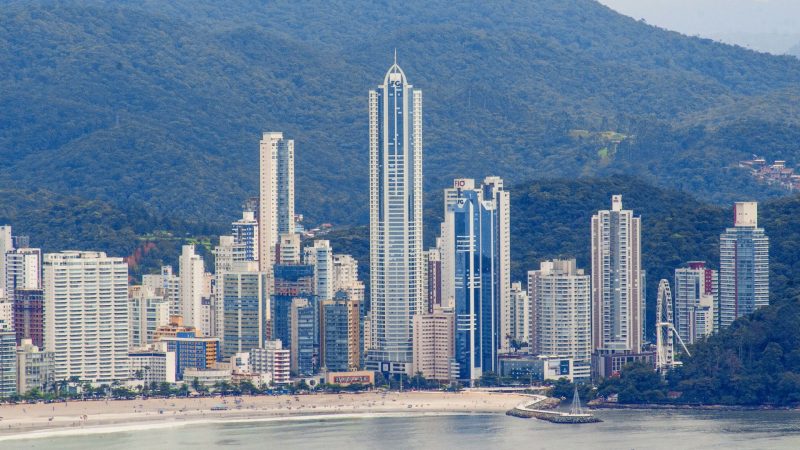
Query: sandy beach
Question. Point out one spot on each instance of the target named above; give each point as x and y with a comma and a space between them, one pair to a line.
84, 416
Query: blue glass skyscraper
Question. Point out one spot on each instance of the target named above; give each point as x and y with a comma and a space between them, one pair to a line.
472, 245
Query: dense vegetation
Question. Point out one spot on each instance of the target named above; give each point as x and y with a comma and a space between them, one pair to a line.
160, 104
754, 362
551, 219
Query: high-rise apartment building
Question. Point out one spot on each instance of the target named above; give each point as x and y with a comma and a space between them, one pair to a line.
694, 301
304, 345
29, 316
8, 361
148, 311
289, 249
471, 245
86, 315
23, 267
245, 234
227, 254
6, 245
433, 293
192, 277
276, 203
434, 345
616, 280
396, 265
292, 283
520, 328
561, 325
340, 334
320, 256
246, 311
743, 265
167, 285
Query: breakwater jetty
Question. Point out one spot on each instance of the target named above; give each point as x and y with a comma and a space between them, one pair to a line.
540, 407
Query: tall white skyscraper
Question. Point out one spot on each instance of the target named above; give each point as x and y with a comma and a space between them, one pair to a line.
743, 265
320, 256
276, 203
494, 190
616, 280
396, 265
86, 315
192, 276
561, 313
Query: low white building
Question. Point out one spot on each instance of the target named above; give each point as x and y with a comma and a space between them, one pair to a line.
207, 377
273, 359
152, 365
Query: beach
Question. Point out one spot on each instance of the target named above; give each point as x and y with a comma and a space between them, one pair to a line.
86, 416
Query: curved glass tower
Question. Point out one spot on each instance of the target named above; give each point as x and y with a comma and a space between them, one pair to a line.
396, 278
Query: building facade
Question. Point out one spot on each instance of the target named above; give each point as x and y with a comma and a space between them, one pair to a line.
148, 311
23, 268
86, 315
192, 277
396, 265
246, 312
617, 279
245, 234
272, 359
35, 368
743, 265
520, 327
168, 286
29, 316
434, 345
340, 334
320, 256
276, 201
192, 351
471, 245
8, 361
152, 365
695, 301
561, 325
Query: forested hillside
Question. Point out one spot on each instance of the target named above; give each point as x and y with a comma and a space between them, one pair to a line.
162, 103
551, 219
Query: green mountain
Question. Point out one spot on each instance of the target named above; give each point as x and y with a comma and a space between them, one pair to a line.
161, 104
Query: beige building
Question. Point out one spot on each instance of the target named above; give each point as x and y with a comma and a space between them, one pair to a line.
276, 200
434, 345
560, 313
617, 276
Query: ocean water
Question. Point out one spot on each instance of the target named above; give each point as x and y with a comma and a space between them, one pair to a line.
620, 430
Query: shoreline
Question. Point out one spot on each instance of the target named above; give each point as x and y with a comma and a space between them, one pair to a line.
688, 407
33, 421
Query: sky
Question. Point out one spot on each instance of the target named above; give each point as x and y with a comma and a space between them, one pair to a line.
764, 25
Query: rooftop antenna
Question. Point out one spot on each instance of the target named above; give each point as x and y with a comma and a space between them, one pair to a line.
395, 56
